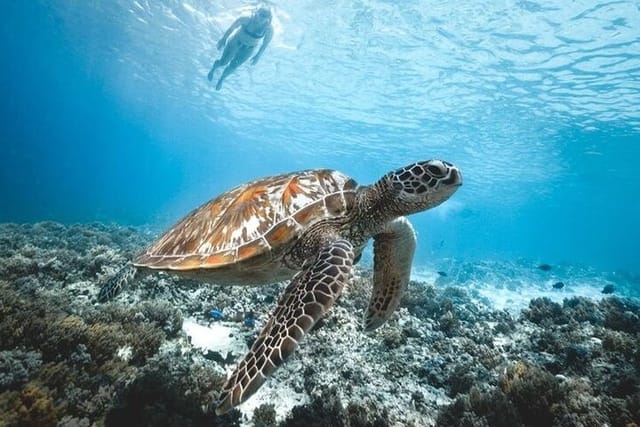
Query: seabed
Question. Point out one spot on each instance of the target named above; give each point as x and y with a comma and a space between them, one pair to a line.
485, 344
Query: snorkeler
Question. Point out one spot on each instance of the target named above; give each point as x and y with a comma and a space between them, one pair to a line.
240, 47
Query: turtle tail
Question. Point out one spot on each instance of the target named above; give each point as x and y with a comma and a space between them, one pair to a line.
117, 282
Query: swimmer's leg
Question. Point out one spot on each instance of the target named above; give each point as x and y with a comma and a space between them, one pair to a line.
242, 55
229, 52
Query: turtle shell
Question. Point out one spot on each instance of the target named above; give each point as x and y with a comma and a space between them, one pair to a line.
251, 220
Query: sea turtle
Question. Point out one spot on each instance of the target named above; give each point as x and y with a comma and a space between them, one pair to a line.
310, 226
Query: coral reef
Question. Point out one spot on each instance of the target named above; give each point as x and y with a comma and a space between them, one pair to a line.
17, 367
166, 391
445, 358
327, 409
264, 415
593, 377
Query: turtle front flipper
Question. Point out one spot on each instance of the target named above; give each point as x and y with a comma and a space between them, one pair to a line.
115, 284
393, 253
311, 293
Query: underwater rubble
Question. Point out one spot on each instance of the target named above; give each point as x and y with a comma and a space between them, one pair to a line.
158, 354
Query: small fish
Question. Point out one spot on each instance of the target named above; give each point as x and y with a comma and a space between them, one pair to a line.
249, 320
558, 285
442, 274
608, 289
216, 314
544, 267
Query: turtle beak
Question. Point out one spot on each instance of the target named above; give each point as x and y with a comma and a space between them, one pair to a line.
459, 184
455, 177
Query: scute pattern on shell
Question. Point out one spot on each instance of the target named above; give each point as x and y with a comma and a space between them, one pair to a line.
250, 220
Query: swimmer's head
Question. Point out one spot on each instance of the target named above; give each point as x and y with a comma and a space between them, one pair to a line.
263, 13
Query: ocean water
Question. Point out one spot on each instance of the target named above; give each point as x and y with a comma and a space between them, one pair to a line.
110, 132
107, 114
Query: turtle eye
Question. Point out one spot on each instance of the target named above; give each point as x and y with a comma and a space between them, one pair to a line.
436, 170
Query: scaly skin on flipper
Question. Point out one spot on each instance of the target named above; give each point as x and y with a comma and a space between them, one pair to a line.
311, 293
115, 284
393, 253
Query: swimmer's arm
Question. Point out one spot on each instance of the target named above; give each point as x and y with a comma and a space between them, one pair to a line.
268, 35
238, 23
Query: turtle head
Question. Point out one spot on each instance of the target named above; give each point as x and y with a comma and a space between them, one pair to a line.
423, 185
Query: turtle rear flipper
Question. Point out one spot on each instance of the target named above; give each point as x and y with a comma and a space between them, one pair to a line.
311, 293
115, 284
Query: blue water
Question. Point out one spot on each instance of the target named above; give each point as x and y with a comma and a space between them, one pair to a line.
107, 115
